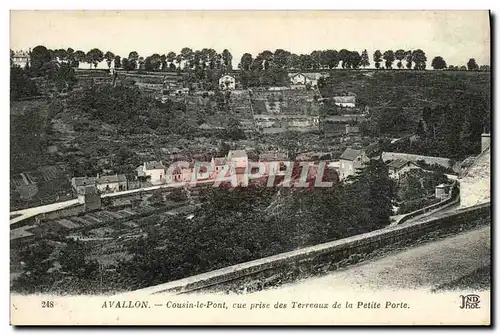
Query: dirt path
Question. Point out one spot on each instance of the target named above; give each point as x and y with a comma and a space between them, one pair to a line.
425, 266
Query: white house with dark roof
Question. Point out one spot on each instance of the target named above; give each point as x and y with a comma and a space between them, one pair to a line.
239, 159
154, 170
350, 161
399, 167
305, 78
227, 82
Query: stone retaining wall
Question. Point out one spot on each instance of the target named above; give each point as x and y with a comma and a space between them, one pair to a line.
320, 258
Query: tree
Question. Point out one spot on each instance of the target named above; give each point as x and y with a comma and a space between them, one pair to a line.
293, 62
61, 55
399, 55
118, 62
20, 84
163, 60
485, 68
71, 53
64, 78
306, 62
438, 63
178, 59
94, 57
378, 189
154, 62
419, 59
38, 57
133, 57
79, 57
171, 58
141, 61
344, 57
187, 55
246, 62
316, 56
377, 58
280, 59
388, 56
472, 65
227, 60
109, 56
364, 59
126, 64
354, 59
409, 59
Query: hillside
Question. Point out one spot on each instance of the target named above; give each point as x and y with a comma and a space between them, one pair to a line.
403, 88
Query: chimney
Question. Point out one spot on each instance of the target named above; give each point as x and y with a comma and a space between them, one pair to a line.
485, 141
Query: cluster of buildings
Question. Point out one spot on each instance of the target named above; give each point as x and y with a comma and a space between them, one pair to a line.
157, 173
353, 160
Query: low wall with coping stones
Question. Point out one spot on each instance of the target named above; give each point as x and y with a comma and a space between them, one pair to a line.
320, 258
453, 199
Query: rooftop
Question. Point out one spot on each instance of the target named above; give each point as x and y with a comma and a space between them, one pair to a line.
398, 163
272, 156
350, 154
345, 99
220, 161
237, 153
154, 165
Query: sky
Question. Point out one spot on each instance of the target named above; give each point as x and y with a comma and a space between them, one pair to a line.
454, 35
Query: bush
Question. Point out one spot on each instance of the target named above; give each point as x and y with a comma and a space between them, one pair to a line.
413, 205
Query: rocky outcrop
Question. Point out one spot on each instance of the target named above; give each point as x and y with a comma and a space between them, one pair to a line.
475, 181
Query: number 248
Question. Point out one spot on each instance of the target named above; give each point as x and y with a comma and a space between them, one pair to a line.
47, 304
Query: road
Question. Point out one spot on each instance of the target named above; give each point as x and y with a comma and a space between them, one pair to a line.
33, 211
422, 267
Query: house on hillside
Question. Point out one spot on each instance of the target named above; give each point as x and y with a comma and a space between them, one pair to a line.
350, 161
179, 175
218, 164
352, 130
345, 101
398, 167
269, 157
153, 170
89, 197
21, 59
227, 82
239, 159
305, 79
103, 184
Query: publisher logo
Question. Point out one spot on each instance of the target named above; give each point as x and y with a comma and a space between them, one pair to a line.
470, 301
